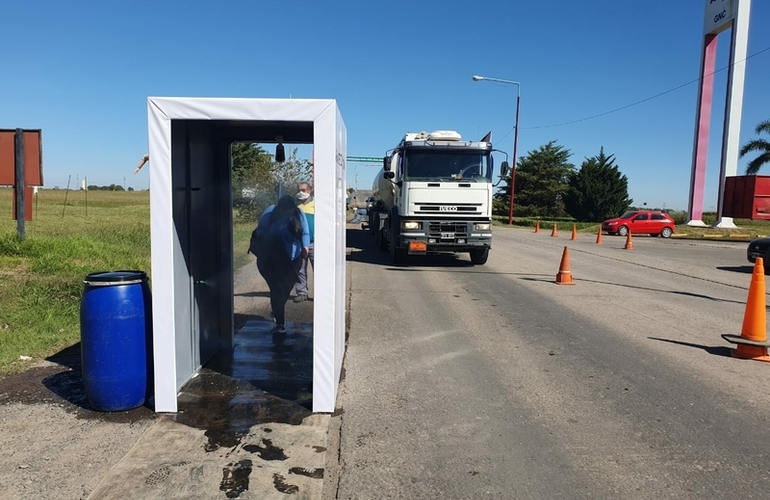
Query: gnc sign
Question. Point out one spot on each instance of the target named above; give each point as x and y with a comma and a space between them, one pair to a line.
719, 14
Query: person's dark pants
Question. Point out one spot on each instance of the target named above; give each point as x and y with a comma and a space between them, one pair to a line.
280, 275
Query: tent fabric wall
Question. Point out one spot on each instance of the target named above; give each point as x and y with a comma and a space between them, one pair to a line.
181, 159
328, 344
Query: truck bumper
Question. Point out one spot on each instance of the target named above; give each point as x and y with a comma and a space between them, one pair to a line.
441, 236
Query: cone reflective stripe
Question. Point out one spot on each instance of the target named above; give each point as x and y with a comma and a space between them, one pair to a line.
629, 242
564, 276
554, 232
599, 236
574, 232
752, 342
537, 226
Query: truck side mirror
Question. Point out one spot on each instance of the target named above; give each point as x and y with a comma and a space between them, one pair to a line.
504, 168
389, 175
386, 163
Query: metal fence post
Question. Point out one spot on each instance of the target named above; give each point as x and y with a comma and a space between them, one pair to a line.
19, 185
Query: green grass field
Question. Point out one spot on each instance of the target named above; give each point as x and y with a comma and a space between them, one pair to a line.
72, 234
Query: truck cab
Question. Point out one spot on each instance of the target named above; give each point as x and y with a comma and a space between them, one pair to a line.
434, 195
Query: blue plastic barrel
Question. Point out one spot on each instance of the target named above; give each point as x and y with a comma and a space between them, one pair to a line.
116, 339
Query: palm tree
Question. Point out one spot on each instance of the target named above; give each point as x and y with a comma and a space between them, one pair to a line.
759, 145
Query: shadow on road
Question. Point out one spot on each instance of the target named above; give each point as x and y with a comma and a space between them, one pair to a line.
360, 239
715, 350
363, 249
68, 384
738, 269
675, 292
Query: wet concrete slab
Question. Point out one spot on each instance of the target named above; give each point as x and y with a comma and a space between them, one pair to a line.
281, 364
243, 430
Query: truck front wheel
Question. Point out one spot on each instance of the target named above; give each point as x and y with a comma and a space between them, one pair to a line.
397, 255
479, 257
379, 238
383, 240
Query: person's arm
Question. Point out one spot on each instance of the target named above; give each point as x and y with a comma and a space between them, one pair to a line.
264, 221
305, 231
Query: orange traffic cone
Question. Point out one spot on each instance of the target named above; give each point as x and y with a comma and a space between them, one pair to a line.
752, 342
564, 276
574, 232
629, 242
599, 236
555, 232
537, 226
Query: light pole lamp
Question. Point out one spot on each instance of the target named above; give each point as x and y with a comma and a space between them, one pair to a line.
477, 78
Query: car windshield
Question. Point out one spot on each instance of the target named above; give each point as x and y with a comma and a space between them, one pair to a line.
467, 165
628, 215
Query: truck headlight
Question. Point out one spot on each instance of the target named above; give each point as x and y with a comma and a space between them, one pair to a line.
483, 226
410, 225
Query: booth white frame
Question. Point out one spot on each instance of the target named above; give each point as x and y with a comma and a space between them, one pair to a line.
191, 230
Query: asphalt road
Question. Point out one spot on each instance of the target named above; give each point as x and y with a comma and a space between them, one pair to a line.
494, 382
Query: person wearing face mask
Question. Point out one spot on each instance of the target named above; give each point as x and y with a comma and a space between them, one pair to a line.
306, 203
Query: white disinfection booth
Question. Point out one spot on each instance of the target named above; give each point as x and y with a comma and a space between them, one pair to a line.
191, 230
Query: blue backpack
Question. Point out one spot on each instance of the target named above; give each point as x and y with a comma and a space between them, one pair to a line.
260, 244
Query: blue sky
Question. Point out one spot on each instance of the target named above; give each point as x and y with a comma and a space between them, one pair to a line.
82, 71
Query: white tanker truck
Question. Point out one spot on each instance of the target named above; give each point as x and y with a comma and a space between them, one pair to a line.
434, 195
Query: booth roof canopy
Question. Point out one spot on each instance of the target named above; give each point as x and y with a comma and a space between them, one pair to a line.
262, 131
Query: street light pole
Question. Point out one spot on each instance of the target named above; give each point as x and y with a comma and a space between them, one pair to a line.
477, 78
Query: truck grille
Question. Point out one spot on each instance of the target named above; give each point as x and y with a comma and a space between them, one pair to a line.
435, 229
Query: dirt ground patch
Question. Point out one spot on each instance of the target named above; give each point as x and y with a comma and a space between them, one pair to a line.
53, 445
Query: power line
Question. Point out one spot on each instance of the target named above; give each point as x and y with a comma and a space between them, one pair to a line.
642, 101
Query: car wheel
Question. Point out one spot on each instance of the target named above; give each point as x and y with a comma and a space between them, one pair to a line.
666, 232
622, 231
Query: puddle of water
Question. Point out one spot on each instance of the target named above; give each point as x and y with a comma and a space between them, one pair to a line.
281, 485
311, 473
266, 452
227, 408
264, 378
235, 478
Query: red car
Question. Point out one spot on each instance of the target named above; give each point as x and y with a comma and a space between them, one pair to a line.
652, 222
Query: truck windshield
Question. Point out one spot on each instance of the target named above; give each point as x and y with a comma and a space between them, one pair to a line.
444, 165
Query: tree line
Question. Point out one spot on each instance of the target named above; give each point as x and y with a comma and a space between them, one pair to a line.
111, 187
258, 180
548, 185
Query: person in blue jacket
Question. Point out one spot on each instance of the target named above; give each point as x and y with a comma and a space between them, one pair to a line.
284, 240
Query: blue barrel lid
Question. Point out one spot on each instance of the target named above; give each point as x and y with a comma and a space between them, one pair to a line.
116, 277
